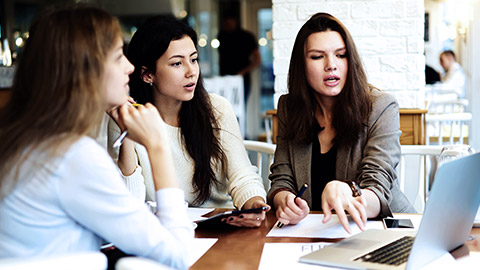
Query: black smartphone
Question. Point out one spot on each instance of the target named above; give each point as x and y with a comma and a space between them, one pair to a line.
396, 223
214, 221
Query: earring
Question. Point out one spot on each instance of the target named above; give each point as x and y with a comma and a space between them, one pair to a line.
151, 83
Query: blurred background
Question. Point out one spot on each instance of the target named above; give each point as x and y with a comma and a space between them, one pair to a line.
446, 26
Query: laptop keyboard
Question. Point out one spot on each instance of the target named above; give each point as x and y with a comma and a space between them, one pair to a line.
394, 253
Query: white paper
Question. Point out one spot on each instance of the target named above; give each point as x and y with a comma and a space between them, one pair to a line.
472, 261
199, 247
312, 226
196, 213
286, 255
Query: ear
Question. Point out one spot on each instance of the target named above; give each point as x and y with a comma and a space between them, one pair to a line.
146, 75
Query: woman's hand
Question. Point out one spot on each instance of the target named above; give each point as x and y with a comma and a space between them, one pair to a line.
115, 115
289, 209
250, 219
337, 196
144, 125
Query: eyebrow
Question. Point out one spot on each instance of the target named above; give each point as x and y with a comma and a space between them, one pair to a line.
322, 51
181, 56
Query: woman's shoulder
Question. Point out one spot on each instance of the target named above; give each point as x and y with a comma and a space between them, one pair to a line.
218, 101
381, 98
383, 103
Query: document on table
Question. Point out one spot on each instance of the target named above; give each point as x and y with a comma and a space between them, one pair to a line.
312, 226
199, 247
290, 253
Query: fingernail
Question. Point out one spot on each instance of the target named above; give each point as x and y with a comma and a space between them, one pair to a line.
230, 219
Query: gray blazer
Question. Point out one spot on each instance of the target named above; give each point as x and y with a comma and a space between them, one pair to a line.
370, 162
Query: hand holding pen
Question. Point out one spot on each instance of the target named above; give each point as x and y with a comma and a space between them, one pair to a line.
284, 210
124, 134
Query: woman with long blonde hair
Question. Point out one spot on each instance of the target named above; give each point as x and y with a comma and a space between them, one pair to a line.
60, 191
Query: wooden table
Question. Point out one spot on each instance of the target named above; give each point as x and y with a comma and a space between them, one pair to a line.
241, 248
412, 125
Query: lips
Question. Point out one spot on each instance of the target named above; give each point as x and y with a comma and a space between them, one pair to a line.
332, 80
190, 86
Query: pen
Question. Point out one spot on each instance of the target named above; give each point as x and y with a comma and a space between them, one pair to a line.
122, 136
299, 195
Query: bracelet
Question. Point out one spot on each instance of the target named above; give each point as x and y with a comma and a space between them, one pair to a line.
356, 191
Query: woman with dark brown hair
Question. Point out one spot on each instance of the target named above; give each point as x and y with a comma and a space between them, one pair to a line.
210, 159
336, 133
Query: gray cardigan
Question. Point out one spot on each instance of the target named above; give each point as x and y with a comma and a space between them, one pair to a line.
370, 162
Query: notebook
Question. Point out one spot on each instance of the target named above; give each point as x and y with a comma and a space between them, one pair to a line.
446, 225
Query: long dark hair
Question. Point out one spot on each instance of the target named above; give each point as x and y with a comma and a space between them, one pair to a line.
57, 89
353, 104
198, 124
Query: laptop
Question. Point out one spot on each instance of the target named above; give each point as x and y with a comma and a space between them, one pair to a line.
446, 225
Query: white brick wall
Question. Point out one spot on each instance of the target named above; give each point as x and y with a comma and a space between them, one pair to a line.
388, 35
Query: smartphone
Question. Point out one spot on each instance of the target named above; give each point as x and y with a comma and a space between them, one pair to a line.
396, 223
214, 221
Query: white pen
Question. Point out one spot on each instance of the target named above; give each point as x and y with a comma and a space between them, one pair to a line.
122, 136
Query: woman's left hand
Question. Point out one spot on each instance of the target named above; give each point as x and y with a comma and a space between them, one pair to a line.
250, 219
337, 196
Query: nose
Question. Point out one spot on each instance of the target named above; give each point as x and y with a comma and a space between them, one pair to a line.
129, 68
191, 69
330, 64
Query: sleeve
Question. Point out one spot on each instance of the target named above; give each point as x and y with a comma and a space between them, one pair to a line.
135, 182
243, 180
92, 193
381, 152
282, 177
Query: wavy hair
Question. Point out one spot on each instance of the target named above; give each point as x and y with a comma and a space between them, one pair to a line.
353, 104
198, 124
56, 93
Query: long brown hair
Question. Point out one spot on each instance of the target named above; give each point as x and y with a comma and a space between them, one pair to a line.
56, 93
353, 104
198, 124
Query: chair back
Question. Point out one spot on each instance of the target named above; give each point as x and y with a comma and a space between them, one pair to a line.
448, 127
417, 165
261, 150
230, 87
75, 261
134, 263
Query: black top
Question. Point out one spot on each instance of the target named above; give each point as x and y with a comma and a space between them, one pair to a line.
323, 171
235, 50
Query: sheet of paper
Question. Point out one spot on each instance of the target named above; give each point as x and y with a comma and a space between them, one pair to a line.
312, 226
199, 247
289, 254
196, 213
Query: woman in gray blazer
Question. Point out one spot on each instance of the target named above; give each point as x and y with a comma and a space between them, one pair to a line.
336, 133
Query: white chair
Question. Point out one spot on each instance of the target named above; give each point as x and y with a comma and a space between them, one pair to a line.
447, 106
452, 126
231, 88
134, 263
262, 149
414, 170
75, 261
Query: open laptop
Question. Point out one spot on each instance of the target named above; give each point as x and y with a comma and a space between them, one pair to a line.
446, 225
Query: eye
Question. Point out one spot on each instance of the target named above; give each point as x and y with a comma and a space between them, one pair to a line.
176, 64
316, 57
342, 55
195, 60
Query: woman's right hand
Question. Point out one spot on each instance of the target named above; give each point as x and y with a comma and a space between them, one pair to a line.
144, 124
289, 209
